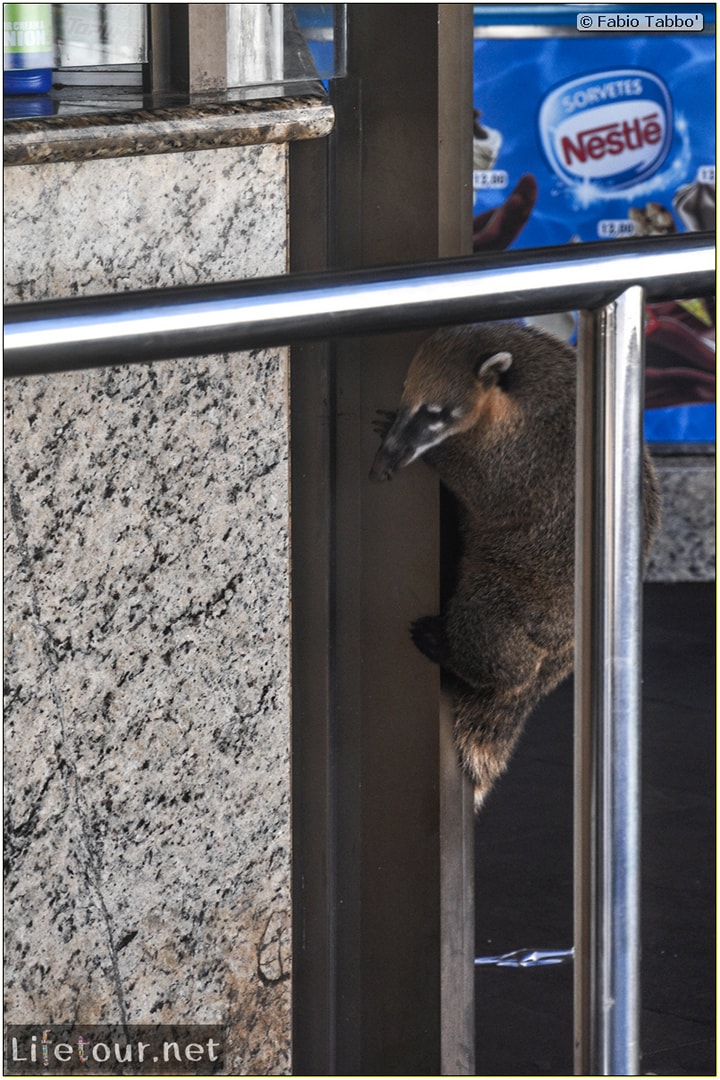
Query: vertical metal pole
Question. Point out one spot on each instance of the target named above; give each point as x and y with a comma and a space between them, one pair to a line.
457, 817
607, 705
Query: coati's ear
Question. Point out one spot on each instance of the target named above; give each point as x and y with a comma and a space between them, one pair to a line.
492, 367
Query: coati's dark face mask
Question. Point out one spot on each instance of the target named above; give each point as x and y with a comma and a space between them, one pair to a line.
419, 425
410, 435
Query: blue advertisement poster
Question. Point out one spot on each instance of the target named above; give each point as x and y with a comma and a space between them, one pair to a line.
597, 136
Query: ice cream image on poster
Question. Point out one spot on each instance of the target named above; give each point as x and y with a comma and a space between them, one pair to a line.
609, 129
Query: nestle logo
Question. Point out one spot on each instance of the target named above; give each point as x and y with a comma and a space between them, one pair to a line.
610, 129
613, 139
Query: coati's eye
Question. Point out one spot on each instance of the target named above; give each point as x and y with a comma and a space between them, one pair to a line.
436, 417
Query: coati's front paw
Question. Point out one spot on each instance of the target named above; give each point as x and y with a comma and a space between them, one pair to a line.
428, 635
383, 422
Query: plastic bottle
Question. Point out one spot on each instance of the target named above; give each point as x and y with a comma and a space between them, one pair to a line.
29, 50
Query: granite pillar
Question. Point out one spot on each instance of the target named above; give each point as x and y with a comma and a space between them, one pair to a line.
147, 621
684, 549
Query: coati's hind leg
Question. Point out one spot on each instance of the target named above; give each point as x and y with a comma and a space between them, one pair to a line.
497, 670
487, 729
488, 719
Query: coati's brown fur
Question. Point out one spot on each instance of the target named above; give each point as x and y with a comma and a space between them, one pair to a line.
492, 408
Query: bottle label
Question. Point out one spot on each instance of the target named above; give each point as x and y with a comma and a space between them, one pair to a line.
28, 36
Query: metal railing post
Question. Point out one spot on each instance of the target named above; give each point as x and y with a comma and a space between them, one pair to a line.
607, 695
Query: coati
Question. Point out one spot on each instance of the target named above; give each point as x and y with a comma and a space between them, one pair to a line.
492, 408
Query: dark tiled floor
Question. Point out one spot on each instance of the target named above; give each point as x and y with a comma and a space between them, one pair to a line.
524, 864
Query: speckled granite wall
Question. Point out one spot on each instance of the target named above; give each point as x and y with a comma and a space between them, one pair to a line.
147, 604
684, 549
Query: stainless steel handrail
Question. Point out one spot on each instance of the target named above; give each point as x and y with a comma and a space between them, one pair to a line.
159, 324
614, 280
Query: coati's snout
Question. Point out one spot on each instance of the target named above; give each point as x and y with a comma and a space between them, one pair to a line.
411, 433
435, 405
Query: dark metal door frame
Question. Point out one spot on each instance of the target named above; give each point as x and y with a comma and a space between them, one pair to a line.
383, 979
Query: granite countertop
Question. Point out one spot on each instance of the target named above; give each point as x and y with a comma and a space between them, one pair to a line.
136, 129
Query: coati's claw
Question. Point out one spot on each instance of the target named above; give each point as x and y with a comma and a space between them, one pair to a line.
382, 426
428, 635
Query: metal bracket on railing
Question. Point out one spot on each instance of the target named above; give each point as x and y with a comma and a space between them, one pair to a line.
526, 958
